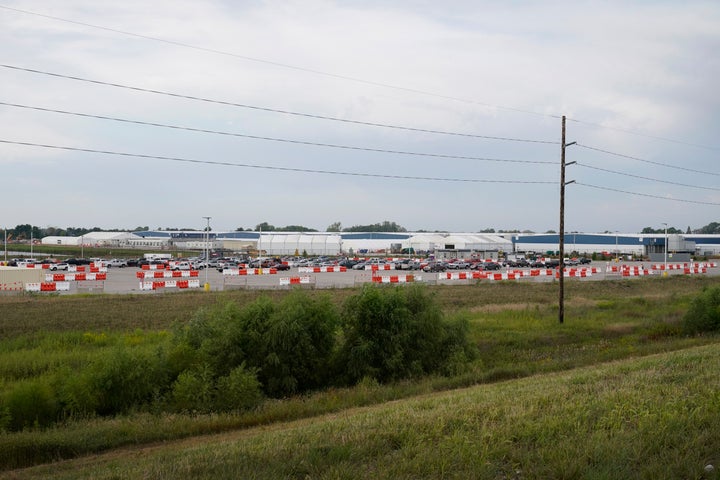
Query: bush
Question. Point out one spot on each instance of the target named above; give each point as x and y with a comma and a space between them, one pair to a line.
298, 342
395, 333
30, 403
240, 390
123, 379
289, 345
704, 312
194, 391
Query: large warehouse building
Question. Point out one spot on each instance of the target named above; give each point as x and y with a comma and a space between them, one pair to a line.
446, 245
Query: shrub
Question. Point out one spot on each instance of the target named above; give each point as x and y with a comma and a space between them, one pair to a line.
704, 312
289, 345
395, 333
240, 390
123, 379
298, 342
30, 403
194, 391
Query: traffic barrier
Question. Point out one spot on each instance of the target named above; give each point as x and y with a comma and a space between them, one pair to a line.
167, 274
678, 266
461, 275
695, 269
396, 278
47, 287
74, 277
304, 280
321, 269
546, 272
154, 266
155, 285
11, 287
670, 266
375, 268
575, 272
249, 271
502, 276
636, 272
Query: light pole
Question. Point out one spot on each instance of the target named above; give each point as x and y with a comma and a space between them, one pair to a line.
617, 252
207, 251
665, 268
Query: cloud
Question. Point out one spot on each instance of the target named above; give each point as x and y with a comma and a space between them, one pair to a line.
483, 68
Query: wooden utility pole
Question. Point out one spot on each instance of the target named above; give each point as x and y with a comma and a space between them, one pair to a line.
561, 236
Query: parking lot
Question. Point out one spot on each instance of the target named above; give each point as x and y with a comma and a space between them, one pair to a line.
125, 280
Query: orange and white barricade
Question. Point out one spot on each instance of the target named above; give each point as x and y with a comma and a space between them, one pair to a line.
167, 274
234, 272
304, 280
47, 287
396, 278
155, 285
333, 269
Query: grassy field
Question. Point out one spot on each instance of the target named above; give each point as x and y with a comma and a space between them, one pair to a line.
617, 391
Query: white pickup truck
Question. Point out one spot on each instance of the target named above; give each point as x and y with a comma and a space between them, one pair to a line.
115, 262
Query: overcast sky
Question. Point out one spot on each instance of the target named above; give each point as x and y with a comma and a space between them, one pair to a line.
636, 79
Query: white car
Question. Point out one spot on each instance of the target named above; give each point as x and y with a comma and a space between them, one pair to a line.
58, 266
115, 262
182, 266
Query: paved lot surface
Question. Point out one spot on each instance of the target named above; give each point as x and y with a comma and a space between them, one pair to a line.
124, 280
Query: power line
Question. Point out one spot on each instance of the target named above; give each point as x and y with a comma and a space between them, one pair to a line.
270, 167
645, 178
282, 140
349, 78
654, 137
274, 110
647, 161
283, 65
645, 194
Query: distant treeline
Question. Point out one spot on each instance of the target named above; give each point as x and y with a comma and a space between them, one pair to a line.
27, 231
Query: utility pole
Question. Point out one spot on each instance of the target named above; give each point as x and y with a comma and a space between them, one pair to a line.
561, 236
207, 252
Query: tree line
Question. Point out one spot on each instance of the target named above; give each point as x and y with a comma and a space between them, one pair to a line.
26, 232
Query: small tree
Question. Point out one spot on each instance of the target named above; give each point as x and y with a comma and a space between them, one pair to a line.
704, 312
395, 333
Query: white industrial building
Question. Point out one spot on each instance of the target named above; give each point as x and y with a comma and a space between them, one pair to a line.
90, 239
447, 245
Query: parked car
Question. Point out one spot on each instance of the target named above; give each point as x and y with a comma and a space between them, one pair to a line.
182, 266
58, 266
348, 263
198, 264
407, 264
77, 261
488, 266
458, 265
227, 264
435, 267
115, 262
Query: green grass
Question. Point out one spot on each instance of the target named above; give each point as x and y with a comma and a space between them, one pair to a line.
653, 417
522, 348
